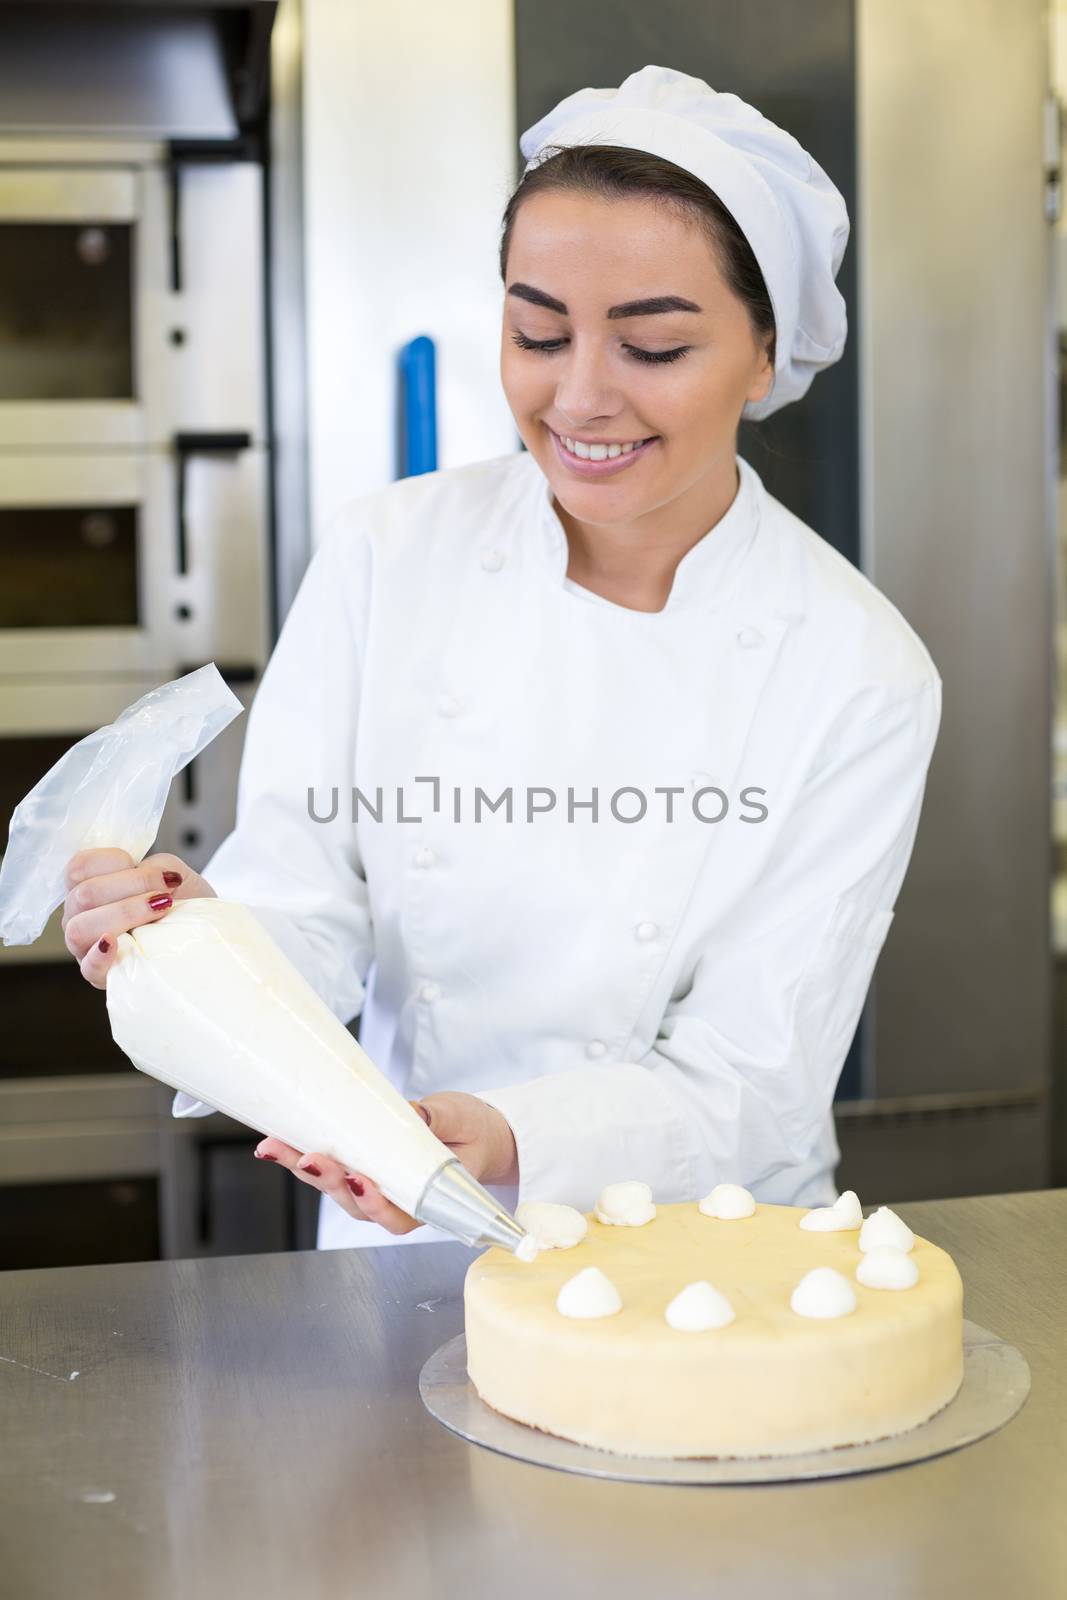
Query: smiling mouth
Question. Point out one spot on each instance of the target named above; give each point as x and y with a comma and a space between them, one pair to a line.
602, 450
600, 460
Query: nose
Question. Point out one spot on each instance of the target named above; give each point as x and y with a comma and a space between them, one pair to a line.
584, 392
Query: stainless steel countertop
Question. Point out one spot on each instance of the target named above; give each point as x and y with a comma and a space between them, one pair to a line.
252, 1427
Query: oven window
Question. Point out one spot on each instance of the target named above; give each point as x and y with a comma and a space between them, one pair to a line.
65, 311
79, 1224
68, 567
53, 1021
24, 760
55, 1024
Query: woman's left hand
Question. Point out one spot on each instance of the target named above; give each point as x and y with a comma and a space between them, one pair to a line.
478, 1134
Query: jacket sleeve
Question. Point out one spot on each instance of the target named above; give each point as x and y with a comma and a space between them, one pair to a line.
741, 1076
303, 878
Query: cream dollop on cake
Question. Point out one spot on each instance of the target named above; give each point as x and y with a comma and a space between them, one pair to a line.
588, 1294
729, 1202
698, 1308
554, 1227
625, 1205
609, 1368
884, 1227
886, 1268
845, 1213
823, 1292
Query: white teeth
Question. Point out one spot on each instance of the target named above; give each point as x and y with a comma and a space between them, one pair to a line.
600, 452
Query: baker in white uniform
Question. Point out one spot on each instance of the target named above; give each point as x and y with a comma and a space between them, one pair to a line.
588, 776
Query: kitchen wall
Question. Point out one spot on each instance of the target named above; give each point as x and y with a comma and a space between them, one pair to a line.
409, 129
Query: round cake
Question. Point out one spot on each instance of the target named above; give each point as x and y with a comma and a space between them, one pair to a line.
771, 1381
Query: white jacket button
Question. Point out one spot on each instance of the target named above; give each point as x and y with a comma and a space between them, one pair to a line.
492, 560
447, 705
595, 1049
748, 638
646, 930
424, 856
429, 992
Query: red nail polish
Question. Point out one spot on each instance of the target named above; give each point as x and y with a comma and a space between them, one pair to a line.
172, 879
160, 902
356, 1187
103, 945
309, 1166
264, 1156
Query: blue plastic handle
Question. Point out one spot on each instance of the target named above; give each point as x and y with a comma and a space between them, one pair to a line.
417, 433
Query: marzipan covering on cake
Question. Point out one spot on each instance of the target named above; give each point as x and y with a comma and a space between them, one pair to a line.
772, 1382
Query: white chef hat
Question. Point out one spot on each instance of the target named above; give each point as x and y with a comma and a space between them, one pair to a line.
791, 214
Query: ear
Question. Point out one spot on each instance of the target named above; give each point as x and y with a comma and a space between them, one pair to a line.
760, 387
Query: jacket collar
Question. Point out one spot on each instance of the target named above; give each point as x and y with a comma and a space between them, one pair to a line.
737, 565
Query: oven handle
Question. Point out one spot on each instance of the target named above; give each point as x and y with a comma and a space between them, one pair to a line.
199, 444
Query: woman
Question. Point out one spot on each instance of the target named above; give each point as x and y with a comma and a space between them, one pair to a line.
713, 730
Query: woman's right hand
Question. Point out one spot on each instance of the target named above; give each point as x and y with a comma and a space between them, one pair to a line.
108, 895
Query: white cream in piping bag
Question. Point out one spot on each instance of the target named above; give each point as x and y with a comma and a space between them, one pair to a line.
207, 1002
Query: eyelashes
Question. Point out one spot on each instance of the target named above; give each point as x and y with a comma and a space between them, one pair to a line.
548, 347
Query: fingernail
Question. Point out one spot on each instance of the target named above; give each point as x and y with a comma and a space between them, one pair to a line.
264, 1156
309, 1166
103, 945
172, 879
423, 1113
160, 902
356, 1187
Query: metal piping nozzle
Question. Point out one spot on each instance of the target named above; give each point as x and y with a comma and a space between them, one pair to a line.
457, 1203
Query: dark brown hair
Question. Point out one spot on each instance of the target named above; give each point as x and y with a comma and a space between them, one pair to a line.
609, 171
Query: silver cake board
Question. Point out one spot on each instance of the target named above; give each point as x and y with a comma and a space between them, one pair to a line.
996, 1382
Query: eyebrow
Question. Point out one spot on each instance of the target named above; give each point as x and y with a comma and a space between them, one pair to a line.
629, 308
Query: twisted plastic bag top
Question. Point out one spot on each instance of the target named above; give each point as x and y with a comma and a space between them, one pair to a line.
108, 790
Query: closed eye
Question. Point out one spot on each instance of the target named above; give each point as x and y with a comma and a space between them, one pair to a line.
550, 346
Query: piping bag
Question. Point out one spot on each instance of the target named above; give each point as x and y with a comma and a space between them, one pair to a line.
204, 999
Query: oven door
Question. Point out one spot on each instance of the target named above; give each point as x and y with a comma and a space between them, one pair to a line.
68, 244
95, 1169
131, 301
123, 562
92, 1165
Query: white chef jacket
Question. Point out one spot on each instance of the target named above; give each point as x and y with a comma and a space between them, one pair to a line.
670, 997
